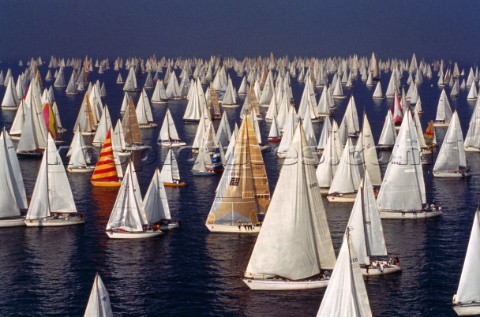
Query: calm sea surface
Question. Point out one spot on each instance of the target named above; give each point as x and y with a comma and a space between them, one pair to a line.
190, 272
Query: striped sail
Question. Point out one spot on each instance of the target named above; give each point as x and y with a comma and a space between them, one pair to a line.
105, 169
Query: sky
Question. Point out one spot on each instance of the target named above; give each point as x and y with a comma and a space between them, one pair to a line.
201, 28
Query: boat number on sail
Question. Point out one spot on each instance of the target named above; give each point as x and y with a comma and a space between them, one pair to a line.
312, 185
234, 181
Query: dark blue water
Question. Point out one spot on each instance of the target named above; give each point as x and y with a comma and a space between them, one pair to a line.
49, 271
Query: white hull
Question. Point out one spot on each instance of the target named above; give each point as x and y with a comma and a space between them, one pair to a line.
451, 174
133, 235
467, 309
170, 226
229, 106
136, 148
339, 97
398, 214
52, 222
471, 149
376, 272
172, 144
87, 169
9, 107
283, 285
147, 125
232, 229
441, 124
342, 198
12, 222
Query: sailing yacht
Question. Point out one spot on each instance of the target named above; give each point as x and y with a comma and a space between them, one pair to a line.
242, 192
79, 157
99, 301
168, 132
472, 139
346, 294
444, 111
402, 194
367, 234
155, 204
128, 219
12, 190
451, 160
466, 301
170, 174
294, 247
108, 170
52, 201
144, 112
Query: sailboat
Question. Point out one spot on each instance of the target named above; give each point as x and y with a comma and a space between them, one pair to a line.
203, 163
402, 194
444, 111
155, 204
451, 160
170, 174
12, 190
99, 301
243, 191
472, 139
367, 233
429, 136
128, 219
274, 134
131, 129
294, 247
79, 157
346, 294
144, 112
168, 132
107, 171
466, 301
52, 201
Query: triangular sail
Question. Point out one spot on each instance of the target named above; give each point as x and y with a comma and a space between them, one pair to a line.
99, 301
105, 169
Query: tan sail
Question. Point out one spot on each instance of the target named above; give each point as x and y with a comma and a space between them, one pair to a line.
215, 104
252, 97
130, 125
243, 191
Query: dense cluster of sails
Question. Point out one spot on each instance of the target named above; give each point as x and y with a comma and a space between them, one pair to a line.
294, 247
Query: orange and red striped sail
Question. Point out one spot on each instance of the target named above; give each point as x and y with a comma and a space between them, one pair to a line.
105, 173
429, 134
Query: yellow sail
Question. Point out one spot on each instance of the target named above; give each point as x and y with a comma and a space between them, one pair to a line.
105, 173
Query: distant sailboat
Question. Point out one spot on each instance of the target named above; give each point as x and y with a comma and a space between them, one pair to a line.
294, 247
12, 190
128, 219
170, 174
444, 111
52, 201
466, 301
144, 112
99, 301
168, 133
79, 156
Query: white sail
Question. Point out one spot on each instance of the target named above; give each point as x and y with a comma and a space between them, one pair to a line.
366, 227
12, 189
99, 301
103, 127
347, 176
472, 139
451, 158
127, 210
294, 242
444, 111
168, 131
144, 110
468, 291
388, 134
403, 186
350, 125
159, 95
366, 153
79, 157
155, 202
131, 81
330, 158
170, 172
346, 295
378, 94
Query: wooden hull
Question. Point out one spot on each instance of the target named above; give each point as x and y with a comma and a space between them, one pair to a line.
182, 184
342, 198
106, 184
376, 272
398, 214
133, 235
12, 222
283, 285
232, 229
